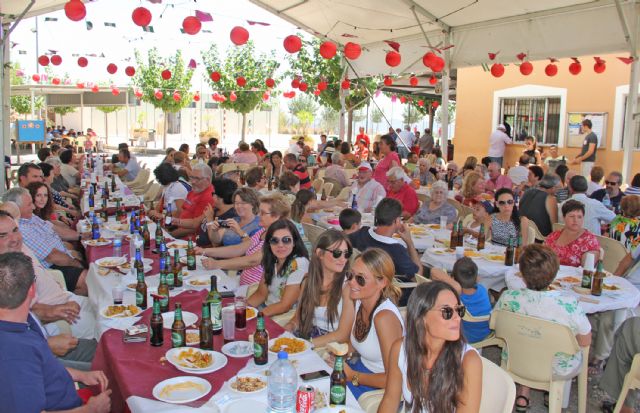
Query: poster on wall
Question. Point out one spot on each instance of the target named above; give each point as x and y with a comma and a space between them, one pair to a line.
31, 131
576, 134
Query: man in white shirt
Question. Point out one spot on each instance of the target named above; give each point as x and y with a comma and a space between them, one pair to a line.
497, 144
405, 142
594, 210
128, 167
368, 191
520, 173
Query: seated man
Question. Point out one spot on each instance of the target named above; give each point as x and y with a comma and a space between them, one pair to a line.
292, 164
612, 191
68, 171
398, 188
31, 379
127, 168
201, 196
350, 221
367, 190
496, 179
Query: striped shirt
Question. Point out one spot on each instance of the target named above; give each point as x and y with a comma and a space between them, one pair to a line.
253, 275
40, 237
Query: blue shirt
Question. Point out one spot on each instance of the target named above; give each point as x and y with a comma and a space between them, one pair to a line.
364, 238
231, 238
477, 304
31, 378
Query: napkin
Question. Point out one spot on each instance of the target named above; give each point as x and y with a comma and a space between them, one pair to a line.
120, 323
143, 405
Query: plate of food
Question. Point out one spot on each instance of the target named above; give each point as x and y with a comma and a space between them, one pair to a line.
472, 253
120, 311
417, 230
116, 226
238, 349
433, 226
248, 383
145, 261
183, 389
97, 242
443, 251
193, 360
188, 318
569, 280
494, 258
291, 345
178, 244
245, 405
199, 281
251, 313
610, 287
126, 268
193, 337
110, 262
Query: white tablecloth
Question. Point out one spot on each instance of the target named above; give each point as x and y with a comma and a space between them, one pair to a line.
129, 199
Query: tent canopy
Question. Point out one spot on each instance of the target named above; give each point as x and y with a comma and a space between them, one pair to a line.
11, 9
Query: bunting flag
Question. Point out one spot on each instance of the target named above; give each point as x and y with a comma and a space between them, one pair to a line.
350, 36
204, 16
182, 30
394, 45
75, 55
192, 64
101, 55
13, 44
253, 23
89, 25
92, 55
51, 19
206, 31
22, 52
148, 29
626, 60
53, 51
107, 24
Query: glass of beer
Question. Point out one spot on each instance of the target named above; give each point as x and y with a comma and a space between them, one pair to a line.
241, 312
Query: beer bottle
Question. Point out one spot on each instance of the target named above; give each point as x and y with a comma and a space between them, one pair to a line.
178, 329
260, 342
114, 188
163, 291
142, 213
155, 325
146, 236
338, 386
132, 223
169, 270
163, 249
168, 217
598, 278
123, 214
206, 329
95, 228
137, 224
587, 275
460, 234
215, 305
159, 235
117, 209
516, 255
105, 191
141, 286
92, 201
453, 241
177, 269
354, 203
191, 256
508, 255
104, 214
481, 238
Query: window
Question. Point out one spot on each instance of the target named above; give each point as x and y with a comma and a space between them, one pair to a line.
538, 117
636, 144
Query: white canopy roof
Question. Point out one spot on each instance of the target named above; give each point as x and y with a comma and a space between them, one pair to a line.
13, 8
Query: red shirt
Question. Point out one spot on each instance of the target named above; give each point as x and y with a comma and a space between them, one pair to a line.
365, 137
301, 172
195, 203
407, 197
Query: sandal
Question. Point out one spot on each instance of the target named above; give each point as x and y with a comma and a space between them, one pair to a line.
524, 407
595, 368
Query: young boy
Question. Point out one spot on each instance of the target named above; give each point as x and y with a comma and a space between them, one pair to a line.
412, 163
474, 296
350, 220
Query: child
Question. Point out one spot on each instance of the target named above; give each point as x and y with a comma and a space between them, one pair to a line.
350, 220
412, 163
473, 295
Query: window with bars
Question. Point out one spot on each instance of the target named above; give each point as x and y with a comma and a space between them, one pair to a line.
538, 117
636, 144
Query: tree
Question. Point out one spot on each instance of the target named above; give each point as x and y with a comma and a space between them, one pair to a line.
63, 110
410, 115
106, 110
242, 61
376, 118
329, 119
148, 79
303, 108
452, 113
22, 104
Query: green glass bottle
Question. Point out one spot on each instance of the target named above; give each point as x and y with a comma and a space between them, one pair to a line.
169, 270
163, 291
178, 329
215, 306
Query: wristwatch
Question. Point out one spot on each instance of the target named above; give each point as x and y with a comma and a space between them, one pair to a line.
245, 235
355, 379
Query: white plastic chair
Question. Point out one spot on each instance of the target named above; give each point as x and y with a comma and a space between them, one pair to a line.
490, 340
312, 232
631, 381
498, 389
615, 252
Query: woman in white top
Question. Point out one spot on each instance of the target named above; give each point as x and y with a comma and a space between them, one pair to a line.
377, 322
285, 262
446, 373
174, 191
325, 311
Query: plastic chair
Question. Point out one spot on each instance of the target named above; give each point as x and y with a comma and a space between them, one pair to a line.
252, 289
498, 389
532, 343
344, 194
283, 319
140, 180
631, 381
537, 234
488, 341
370, 400
143, 189
327, 188
423, 198
153, 192
335, 190
317, 185
557, 226
312, 232
615, 252
531, 234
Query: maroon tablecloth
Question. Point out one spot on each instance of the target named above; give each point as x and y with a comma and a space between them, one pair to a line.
95, 253
133, 369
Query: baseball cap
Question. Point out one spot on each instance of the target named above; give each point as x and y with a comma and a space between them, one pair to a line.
501, 126
365, 166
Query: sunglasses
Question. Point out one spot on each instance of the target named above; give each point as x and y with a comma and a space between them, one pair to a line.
359, 278
447, 312
507, 202
611, 183
338, 253
285, 240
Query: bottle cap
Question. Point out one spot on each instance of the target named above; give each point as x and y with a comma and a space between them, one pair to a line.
283, 355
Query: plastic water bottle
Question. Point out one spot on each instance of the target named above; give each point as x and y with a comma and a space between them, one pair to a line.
606, 201
117, 246
282, 385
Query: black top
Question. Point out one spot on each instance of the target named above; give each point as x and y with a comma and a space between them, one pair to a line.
590, 138
615, 200
533, 206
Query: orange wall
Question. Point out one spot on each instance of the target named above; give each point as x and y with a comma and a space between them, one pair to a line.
586, 92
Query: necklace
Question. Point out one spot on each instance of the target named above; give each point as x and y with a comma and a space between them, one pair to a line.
362, 328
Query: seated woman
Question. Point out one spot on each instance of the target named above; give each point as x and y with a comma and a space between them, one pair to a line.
573, 242
473, 189
174, 192
432, 367
531, 150
350, 160
255, 179
423, 172
285, 262
59, 204
289, 185
223, 208
504, 223
275, 166
377, 323
430, 212
299, 211
257, 147
232, 231
325, 312
244, 154
43, 202
626, 226
539, 266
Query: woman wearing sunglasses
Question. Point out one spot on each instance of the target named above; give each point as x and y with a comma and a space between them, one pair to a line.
504, 223
285, 262
325, 311
446, 372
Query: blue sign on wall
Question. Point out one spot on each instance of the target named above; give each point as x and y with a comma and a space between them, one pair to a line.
31, 131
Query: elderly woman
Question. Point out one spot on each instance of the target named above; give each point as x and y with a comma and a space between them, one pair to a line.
626, 226
388, 159
452, 173
233, 230
573, 242
423, 172
174, 192
399, 189
335, 171
430, 212
244, 154
539, 266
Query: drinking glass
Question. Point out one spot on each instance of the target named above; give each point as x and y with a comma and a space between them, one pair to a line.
443, 222
117, 293
229, 322
241, 312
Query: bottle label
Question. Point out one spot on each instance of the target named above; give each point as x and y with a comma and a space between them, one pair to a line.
164, 301
191, 261
337, 394
258, 351
170, 279
338, 364
139, 298
176, 339
216, 315
260, 323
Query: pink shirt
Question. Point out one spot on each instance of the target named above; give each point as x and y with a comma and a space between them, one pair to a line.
244, 157
380, 173
502, 181
571, 254
407, 197
253, 275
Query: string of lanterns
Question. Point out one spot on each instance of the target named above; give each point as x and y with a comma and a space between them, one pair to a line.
551, 69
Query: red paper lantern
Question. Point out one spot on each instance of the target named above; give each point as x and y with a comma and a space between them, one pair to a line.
241, 81
36, 77
295, 83
421, 103
176, 96
394, 98
83, 62
393, 58
303, 87
158, 95
433, 80
141, 16
55, 81
551, 70
265, 96
413, 81
115, 91
80, 85
166, 74
239, 35
112, 68
403, 99
215, 76
270, 82
435, 104
497, 70
292, 43
328, 50
43, 60
233, 97
526, 68
191, 25
316, 92
75, 10
138, 93
438, 64
196, 97
387, 81
352, 50
600, 66
95, 89
346, 84
428, 59
56, 60
575, 68
130, 71
322, 86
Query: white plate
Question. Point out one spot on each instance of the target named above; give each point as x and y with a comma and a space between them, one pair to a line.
219, 360
238, 349
255, 376
338, 409
114, 226
200, 278
103, 314
246, 405
442, 251
308, 347
188, 318
96, 243
111, 261
147, 268
182, 396
177, 243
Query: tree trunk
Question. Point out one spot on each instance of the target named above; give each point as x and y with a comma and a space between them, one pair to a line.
431, 119
165, 128
244, 127
349, 125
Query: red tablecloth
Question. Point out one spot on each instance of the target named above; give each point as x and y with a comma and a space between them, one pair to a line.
133, 369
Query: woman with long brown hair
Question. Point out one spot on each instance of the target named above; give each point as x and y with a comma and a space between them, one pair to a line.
42, 201
325, 311
446, 373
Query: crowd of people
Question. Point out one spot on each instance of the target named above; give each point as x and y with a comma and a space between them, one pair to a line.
246, 211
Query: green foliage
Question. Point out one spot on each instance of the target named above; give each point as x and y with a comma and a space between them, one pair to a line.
329, 119
63, 110
410, 115
109, 109
148, 79
359, 115
22, 104
376, 116
302, 103
452, 113
240, 61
